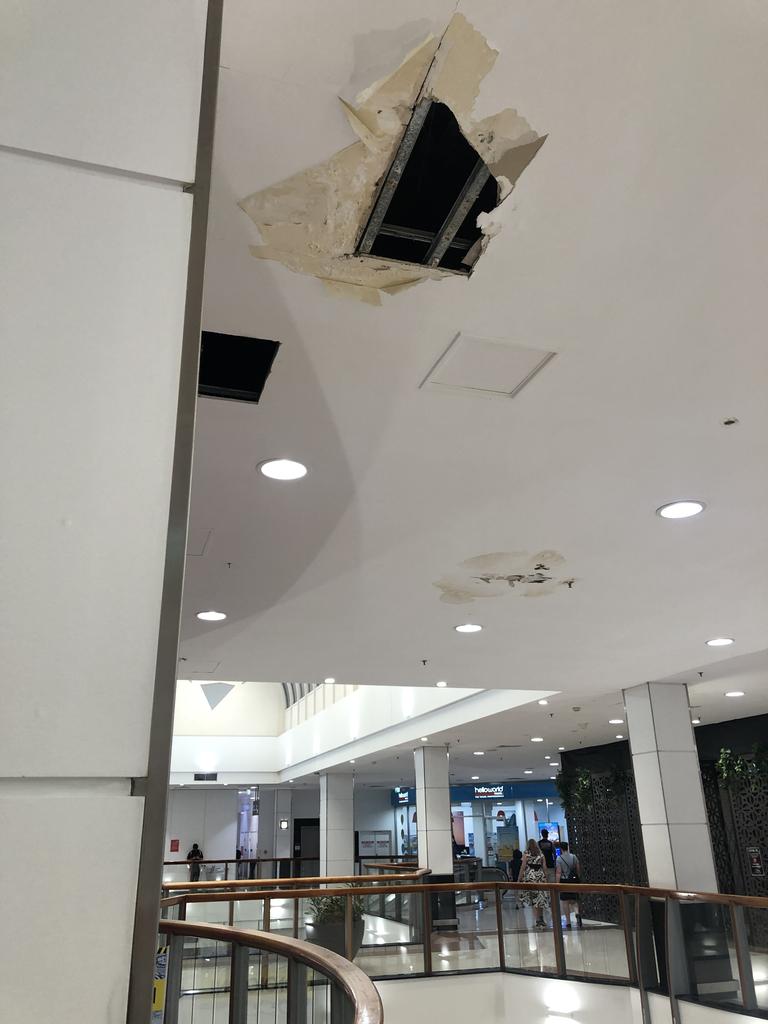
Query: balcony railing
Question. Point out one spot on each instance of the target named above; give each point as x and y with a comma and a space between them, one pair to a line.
703, 947
207, 972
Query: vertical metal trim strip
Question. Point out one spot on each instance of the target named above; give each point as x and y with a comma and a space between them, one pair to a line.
743, 958
161, 728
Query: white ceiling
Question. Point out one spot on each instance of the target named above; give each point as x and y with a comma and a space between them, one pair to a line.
506, 738
633, 247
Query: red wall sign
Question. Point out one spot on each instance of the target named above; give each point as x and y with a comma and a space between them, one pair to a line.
175, 845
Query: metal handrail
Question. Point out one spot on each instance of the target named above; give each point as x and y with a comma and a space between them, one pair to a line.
363, 1003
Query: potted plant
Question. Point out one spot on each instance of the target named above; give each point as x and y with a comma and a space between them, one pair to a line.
328, 922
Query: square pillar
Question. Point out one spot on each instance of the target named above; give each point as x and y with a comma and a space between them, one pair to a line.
678, 848
337, 835
433, 810
283, 845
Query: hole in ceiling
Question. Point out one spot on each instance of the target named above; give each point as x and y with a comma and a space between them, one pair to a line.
436, 187
234, 367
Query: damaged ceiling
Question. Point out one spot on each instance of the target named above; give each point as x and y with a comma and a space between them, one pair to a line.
633, 247
421, 153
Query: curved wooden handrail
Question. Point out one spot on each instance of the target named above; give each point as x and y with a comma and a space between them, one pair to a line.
357, 985
237, 860
289, 883
726, 899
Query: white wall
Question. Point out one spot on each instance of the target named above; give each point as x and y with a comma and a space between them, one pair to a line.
373, 718
500, 998
306, 802
92, 304
205, 817
373, 810
249, 709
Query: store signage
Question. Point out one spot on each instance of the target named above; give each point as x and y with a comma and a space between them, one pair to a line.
403, 796
755, 857
491, 792
175, 845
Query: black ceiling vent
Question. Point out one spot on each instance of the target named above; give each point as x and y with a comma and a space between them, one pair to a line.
206, 776
234, 367
427, 207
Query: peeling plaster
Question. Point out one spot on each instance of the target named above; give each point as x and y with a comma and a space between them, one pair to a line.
311, 221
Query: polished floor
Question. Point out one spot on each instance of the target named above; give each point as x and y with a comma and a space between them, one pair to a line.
389, 948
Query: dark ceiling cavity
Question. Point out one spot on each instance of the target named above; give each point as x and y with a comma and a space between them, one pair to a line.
234, 367
427, 207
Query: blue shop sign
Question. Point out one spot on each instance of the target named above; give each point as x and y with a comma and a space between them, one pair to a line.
405, 796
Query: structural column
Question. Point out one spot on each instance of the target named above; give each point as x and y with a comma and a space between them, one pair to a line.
105, 148
433, 810
678, 848
337, 834
283, 844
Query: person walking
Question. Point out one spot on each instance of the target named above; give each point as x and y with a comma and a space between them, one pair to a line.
533, 870
240, 866
568, 871
194, 857
547, 847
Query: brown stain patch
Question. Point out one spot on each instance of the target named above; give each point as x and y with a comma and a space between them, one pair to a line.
503, 572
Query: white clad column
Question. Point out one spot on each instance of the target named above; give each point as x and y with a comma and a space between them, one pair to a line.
678, 848
102, 133
283, 845
433, 810
337, 833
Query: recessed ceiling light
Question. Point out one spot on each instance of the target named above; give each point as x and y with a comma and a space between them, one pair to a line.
352, 761
475, 778
329, 680
290, 780
528, 771
619, 736
468, 627
283, 469
211, 616
561, 748
425, 739
540, 800
553, 778
553, 764
720, 641
615, 721
547, 757
537, 739
695, 721
543, 701
734, 693
681, 509
441, 683
478, 753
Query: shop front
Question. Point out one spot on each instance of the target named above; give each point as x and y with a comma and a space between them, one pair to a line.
489, 820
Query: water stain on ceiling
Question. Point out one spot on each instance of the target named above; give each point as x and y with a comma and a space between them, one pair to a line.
505, 572
315, 222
